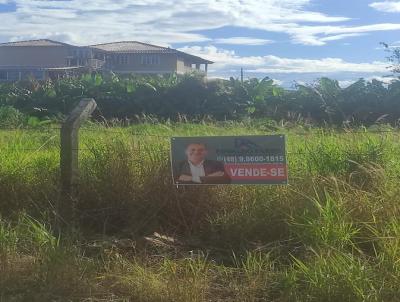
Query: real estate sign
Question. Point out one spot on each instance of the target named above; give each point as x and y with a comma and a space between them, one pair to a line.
229, 160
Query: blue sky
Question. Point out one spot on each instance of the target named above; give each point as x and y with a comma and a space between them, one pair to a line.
287, 40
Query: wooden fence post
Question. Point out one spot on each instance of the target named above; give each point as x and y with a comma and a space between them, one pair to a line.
69, 155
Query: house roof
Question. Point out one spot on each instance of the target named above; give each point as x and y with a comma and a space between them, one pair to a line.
41, 42
139, 47
195, 59
132, 46
116, 47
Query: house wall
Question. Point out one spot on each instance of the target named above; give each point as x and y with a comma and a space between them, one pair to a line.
180, 68
20, 58
167, 63
38, 56
185, 66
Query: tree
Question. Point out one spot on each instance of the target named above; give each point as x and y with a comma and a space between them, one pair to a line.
393, 58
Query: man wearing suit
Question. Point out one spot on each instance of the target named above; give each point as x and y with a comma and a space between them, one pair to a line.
199, 170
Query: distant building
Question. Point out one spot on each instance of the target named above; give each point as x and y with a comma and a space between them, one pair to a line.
51, 59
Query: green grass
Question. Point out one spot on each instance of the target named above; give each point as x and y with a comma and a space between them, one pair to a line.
333, 234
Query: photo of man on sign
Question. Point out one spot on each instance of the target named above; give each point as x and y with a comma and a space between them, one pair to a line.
197, 169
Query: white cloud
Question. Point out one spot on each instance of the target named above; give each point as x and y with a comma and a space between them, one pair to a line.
341, 36
346, 83
224, 59
326, 65
315, 35
387, 6
243, 41
278, 82
167, 22
395, 44
227, 59
384, 80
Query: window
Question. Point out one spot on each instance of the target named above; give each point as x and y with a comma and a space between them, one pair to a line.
13, 75
16, 75
25, 74
122, 59
37, 74
3, 75
150, 60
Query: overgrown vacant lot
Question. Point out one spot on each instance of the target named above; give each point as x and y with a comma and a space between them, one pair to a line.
333, 234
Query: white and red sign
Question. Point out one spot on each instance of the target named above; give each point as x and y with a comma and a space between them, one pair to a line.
229, 160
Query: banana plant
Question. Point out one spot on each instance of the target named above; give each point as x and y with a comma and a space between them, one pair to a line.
260, 93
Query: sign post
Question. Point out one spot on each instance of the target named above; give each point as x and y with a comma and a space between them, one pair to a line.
69, 155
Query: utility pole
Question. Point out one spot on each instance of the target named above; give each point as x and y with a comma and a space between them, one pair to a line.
241, 75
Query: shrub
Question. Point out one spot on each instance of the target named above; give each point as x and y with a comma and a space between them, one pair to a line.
11, 117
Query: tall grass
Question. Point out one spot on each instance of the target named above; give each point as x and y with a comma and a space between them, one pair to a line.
331, 235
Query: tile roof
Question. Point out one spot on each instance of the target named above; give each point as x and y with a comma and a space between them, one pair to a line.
116, 47
41, 42
139, 47
132, 46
